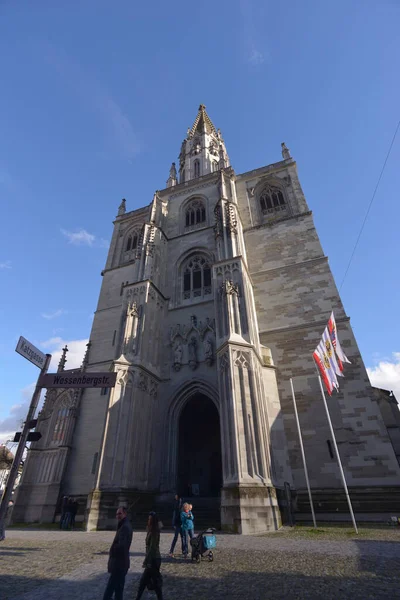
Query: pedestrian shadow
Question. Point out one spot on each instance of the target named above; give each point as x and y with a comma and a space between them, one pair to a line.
377, 556
106, 553
22, 548
221, 580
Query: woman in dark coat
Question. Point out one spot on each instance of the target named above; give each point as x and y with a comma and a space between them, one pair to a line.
152, 561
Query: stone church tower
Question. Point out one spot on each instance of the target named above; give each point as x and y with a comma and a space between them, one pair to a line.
212, 297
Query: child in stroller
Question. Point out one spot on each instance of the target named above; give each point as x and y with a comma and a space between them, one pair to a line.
203, 544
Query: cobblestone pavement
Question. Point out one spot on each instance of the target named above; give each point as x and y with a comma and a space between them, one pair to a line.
47, 565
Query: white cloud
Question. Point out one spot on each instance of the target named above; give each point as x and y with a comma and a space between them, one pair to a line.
386, 374
5, 265
75, 354
17, 413
12, 423
54, 314
256, 57
252, 38
118, 128
80, 237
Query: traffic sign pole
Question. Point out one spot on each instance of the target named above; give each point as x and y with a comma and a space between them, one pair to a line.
22, 442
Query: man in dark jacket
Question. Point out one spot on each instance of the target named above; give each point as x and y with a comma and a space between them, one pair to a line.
176, 523
118, 563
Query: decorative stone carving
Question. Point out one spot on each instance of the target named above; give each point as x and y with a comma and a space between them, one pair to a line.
182, 333
196, 149
231, 220
68, 400
208, 351
143, 382
222, 164
224, 362
242, 360
228, 287
153, 388
192, 347
218, 222
122, 377
227, 268
178, 353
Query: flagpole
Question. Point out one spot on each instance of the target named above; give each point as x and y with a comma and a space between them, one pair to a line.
337, 454
303, 454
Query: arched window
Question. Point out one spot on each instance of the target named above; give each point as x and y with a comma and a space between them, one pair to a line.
195, 213
60, 426
271, 200
196, 168
214, 166
183, 176
132, 242
196, 277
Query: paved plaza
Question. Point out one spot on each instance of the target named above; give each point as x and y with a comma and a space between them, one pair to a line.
334, 564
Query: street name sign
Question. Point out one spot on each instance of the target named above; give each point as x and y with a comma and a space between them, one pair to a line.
78, 380
30, 352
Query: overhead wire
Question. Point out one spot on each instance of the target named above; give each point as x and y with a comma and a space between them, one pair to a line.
370, 205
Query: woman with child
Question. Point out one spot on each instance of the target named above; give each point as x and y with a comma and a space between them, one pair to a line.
187, 526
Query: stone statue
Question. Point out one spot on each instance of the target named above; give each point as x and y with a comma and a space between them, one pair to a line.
178, 352
208, 351
192, 353
285, 151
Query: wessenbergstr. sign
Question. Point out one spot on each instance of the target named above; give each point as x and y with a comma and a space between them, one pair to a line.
78, 380
30, 352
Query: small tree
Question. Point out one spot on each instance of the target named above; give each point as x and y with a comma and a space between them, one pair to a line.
6, 458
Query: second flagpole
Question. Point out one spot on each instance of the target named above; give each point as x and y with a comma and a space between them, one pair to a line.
337, 454
303, 454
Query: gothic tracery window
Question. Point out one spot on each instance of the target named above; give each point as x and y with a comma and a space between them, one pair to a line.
196, 277
60, 426
196, 168
214, 166
271, 200
132, 242
195, 213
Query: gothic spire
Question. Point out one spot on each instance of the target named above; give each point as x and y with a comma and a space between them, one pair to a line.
63, 359
86, 357
203, 150
122, 207
202, 123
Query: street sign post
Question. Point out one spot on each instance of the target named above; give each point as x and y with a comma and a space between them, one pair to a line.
78, 380
30, 352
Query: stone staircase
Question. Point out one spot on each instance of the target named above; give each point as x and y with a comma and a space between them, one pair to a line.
206, 512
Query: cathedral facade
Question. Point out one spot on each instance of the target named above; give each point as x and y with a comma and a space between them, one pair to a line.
212, 298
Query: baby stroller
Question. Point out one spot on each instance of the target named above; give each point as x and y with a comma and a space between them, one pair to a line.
203, 544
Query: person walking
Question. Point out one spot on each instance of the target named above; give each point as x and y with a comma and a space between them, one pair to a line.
187, 526
118, 562
151, 576
176, 523
5, 521
68, 514
74, 510
64, 503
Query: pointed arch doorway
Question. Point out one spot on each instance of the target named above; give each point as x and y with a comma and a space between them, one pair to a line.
199, 461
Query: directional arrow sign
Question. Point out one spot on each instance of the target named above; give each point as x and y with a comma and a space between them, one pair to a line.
78, 380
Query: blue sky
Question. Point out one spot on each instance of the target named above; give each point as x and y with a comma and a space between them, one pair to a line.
95, 100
